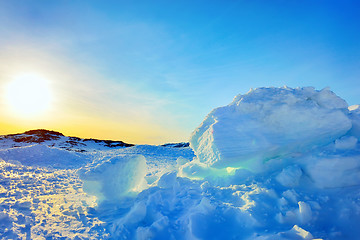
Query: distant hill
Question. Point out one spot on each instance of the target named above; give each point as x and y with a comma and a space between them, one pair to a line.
57, 139
176, 145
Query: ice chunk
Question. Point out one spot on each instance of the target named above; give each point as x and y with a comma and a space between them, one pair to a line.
335, 171
354, 108
157, 230
347, 142
297, 233
267, 123
167, 180
181, 161
116, 177
290, 176
355, 118
305, 213
291, 195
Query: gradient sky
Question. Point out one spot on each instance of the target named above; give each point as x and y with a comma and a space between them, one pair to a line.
150, 71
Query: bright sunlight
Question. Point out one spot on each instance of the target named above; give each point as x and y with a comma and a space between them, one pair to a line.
28, 95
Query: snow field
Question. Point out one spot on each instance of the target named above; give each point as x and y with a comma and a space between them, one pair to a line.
37, 203
276, 163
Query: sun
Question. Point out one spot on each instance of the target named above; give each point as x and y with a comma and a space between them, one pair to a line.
28, 95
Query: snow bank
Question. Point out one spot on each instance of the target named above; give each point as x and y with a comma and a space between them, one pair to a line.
116, 177
44, 156
268, 123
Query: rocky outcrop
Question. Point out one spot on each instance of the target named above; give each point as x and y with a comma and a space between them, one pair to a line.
57, 139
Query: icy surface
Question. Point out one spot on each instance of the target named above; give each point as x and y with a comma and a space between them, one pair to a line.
267, 123
277, 163
116, 177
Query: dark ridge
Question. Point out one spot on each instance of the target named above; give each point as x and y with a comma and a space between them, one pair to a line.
42, 135
75, 139
109, 143
43, 132
36, 136
176, 145
75, 142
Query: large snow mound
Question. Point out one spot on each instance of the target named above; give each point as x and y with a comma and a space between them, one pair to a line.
268, 123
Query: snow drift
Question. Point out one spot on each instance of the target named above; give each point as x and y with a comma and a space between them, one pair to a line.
44, 156
268, 123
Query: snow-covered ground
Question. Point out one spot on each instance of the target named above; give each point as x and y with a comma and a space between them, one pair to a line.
276, 163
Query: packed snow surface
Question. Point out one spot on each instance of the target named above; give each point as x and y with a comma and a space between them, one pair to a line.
276, 163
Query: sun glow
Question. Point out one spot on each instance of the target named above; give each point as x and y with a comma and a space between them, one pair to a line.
28, 95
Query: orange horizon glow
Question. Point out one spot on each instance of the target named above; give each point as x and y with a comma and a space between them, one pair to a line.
81, 103
127, 136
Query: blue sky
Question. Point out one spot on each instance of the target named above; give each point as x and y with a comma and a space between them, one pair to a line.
163, 65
